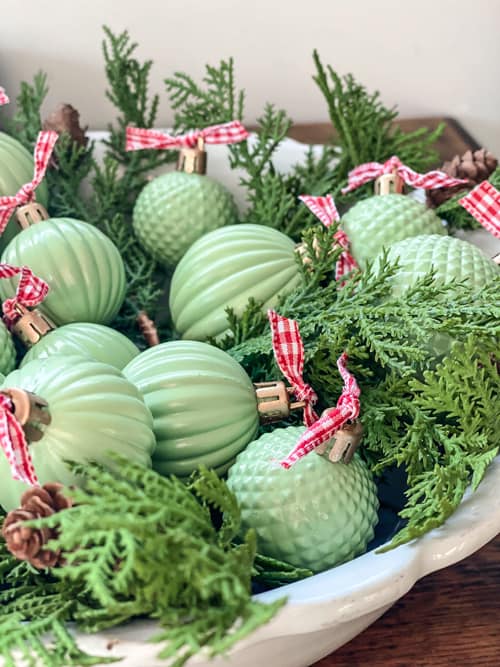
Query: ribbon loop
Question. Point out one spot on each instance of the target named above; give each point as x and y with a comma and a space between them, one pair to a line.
332, 419
483, 203
14, 444
370, 170
31, 290
43, 151
227, 133
3, 97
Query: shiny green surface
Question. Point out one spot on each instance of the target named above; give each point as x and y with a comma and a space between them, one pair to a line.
82, 266
203, 405
380, 221
86, 339
16, 169
93, 409
7, 350
224, 269
176, 209
317, 514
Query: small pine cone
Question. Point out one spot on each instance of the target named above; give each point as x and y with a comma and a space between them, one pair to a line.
148, 329
27, 543
66, 119
475, 167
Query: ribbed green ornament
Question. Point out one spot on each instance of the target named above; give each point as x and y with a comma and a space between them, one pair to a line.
176, 209
7, 350
224, 269
317, 514
16, 169
85, 339
94, 410
203, 404
82, 266
381, 220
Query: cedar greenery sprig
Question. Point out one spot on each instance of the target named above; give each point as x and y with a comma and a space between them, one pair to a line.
26, 122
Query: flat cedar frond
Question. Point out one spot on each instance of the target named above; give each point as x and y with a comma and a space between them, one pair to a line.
26, 122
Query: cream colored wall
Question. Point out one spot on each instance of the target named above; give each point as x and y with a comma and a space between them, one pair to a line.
431, 57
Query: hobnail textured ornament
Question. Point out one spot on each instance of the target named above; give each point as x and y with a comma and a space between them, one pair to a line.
7, 350
93, 410
82, 267
85, 339
176, 209
224, 269
203, 404
317, 514
16, 169
451, 259
382, 220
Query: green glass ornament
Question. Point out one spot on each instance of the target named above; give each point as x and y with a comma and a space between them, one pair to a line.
203, 405
82, 266
7, 350
16, 169
224, 269
93, 410
381, 220
84, 339
317, 514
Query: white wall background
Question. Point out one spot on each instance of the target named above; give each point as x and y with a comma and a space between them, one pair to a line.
430, 58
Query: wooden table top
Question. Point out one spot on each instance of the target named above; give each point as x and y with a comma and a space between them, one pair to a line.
450, 617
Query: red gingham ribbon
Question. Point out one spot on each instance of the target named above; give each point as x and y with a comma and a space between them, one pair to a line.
332, 420
483, 203
13, 442
289, 354
30, 291
371, 170
43, 150
227, 133
324, 208
3, 97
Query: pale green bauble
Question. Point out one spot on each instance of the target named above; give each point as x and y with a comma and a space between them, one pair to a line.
381, 220
85, 339
316, 515
82, 266
203, 405
176, 209
224, 269
16, 169
94, 410
7, 350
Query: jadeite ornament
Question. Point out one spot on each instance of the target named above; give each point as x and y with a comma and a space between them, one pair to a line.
382, 220
317, 514
203, 404
225, 268
16, 169
176, 209
7, 350
93, 410
84, 339
82, 266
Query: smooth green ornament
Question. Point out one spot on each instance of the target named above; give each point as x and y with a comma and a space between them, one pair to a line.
7, 350
93, 409
316, 515
381, 220
85, 339
176, 209
82, 267
224, 269
16, 169
451, 259
203, 404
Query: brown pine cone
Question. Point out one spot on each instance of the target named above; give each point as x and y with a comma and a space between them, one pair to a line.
475, 167
27, 543
66, 119
148, 329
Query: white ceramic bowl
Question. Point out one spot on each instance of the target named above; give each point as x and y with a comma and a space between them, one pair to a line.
327, 610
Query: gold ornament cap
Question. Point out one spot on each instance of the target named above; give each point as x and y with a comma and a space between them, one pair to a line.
30, 214
193, 160
30, 411
273, 401
389, 184
31, 326
344, 443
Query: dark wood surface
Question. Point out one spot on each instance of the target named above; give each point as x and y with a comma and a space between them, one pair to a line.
451, 617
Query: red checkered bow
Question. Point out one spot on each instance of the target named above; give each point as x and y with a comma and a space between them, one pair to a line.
227, 133
289, 354
3, 97
484, 204
43, 150
331, 420
371, 170
324, 208
30, 291
13, 442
